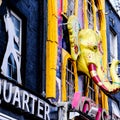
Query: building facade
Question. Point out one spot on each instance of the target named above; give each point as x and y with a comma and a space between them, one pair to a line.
23, 28
90, 14
113, 38
39, 76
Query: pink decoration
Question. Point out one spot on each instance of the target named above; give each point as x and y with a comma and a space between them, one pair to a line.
85, 107
76, 100
98, 116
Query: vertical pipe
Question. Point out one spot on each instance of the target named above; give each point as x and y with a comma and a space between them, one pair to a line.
51, 49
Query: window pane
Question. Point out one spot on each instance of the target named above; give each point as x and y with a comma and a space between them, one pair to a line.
91, 90
70, 80
113, 45
17, 25
71, 7
90, 14
14, 73
9, 70
12, 68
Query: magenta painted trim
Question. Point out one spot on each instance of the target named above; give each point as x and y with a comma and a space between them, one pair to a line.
86, 107
99, 113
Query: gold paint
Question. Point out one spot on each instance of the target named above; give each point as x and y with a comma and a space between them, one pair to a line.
85, 14
65, 6
76, 7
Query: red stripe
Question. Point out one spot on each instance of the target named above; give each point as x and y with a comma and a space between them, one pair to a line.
96, 78
92, 67
104, 88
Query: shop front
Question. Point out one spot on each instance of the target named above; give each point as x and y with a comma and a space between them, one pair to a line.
82, 108
16, 100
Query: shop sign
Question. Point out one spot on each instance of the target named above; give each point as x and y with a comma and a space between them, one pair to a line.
86, 105
23, 100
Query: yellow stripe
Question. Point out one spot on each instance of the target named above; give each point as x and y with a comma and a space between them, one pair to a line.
76, 7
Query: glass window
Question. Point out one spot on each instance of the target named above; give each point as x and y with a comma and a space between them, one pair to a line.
113, 45
90, 14
113, 49
70, 78
97, 20
17, 26
97, 16
12, 68
71, 7
91, 93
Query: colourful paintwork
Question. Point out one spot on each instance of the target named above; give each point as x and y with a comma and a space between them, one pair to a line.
86, 105
73, 28
89, 61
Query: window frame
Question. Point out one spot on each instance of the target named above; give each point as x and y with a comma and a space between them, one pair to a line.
90, 14
12, 67
113, 45
70, 82
20, 20
91, 93
65, 57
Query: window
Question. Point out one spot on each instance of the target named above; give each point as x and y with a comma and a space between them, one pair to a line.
113, 49
97, 15
91, 93
90, 14
71, 7
12, 68
5, 117
70, 80
12, 57
97, 20
17, 26
113, 45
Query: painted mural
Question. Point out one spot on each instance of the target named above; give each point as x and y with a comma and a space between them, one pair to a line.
11, 57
